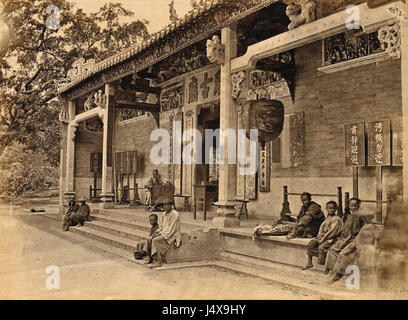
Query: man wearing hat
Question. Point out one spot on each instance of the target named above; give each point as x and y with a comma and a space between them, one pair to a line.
169, 233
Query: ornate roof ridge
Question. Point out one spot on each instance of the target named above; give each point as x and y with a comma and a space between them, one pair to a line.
93, 68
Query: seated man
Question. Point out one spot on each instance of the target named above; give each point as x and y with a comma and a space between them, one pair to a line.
169, 232
155, 180
68, 219
328, 232
342, 253
309, 219
144, 248
84, 212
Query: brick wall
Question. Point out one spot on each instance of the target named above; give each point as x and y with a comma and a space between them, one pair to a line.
329, 101
86, 142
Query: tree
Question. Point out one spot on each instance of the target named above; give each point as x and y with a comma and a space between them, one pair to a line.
38, 58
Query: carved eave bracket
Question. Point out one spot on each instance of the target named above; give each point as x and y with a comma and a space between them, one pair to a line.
63, 115
215, 50
74, 128
390, 38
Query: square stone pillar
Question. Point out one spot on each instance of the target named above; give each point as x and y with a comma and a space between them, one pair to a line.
70, 153
404, 88
228, 120
108, 118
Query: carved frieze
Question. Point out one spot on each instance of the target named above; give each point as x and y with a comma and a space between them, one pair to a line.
215, 50
159, 47
130, 95
390, 38
350, 45
217, 83
237, 80
127, 114
193, 90
275, 90
260, 78
172, 98
204, 86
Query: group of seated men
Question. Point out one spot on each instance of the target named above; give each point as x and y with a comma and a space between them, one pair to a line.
76, 215
164, 232
333, 240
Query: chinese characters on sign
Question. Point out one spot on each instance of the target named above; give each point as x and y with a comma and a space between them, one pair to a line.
355, 144
379, 143
96, 162
397, 141
264, 168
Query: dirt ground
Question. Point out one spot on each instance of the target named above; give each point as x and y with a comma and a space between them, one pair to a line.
31, 242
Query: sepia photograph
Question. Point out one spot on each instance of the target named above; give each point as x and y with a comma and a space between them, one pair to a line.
203, 150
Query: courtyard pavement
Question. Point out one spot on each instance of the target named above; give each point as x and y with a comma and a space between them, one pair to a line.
31, 242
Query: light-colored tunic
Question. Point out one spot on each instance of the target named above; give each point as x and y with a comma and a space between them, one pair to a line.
170, 226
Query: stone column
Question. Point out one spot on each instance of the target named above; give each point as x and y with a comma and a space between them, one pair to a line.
228, 120
404, 88
64, 120
107, 115
70, 158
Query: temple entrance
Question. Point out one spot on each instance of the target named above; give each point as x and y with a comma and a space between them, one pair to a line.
207, 173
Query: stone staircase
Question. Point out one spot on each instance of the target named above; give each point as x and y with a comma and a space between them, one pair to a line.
120, 231
117, 231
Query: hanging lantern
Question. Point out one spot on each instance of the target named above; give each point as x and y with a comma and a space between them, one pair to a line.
265, 115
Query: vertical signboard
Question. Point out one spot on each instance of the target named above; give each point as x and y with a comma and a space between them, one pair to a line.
396, 141
379, 143
264, 168
354, 144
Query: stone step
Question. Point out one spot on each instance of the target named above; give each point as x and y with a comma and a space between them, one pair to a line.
126, 232
117, 221
290, 277
110, 239
139, 219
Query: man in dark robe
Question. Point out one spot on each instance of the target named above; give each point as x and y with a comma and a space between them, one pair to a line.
309, 219
343, 251
328, 232
69, 217
84, 213
144, 248
169, 234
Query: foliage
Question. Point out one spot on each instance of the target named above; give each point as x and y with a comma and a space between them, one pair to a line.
36, 60
25, 170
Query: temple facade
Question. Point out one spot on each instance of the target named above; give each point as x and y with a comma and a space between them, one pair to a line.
337, 71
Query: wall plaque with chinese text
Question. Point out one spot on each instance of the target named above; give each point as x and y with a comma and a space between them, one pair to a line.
354, 144
96, 162
396, 141
379, 143
264, 168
